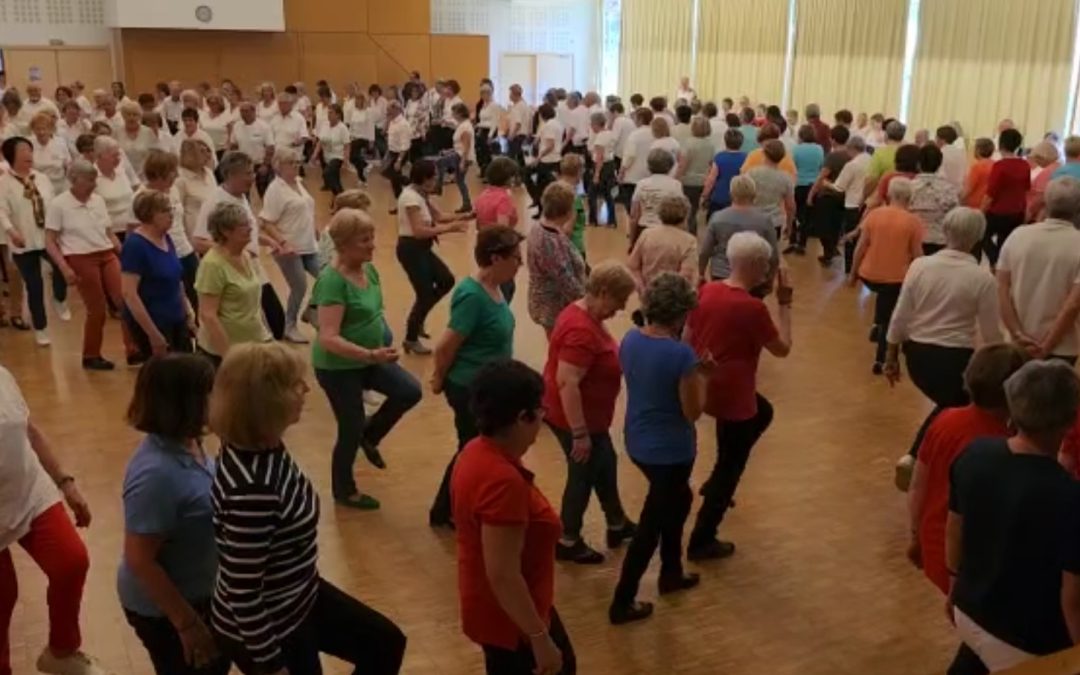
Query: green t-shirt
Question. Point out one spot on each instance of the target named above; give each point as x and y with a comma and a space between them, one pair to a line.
882, 161
239, 299
362, 323
577, 237
486, 325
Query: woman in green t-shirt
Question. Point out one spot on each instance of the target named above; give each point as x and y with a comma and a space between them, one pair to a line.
350, 355
481, 330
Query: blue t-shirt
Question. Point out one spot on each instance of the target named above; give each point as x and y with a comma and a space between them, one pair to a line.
160, 275
749, 138
728, 165
1071, 169
167, 494
657, 432
808, 158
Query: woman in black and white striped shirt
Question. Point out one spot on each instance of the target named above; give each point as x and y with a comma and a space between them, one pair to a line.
272, 611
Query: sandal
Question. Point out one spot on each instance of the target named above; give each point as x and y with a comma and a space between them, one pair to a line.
18, 324
359, 501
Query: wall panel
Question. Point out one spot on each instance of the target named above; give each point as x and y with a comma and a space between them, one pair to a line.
399, 16
401, 54
462, 57
154, 55
329, 16
250, 59
18, 64
338, 58
92, 67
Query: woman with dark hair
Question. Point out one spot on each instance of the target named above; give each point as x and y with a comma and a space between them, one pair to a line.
167, 572
481, 329
419, 225
665, 385
548, 150
506, 531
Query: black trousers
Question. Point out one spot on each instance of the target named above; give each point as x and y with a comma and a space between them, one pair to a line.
483, 149
273, 312
358, 157
176, 335
380, 142
457, 397
998, 229
734, 440
602, 189
264, 175
884, 305
517, 149
392, 172
803, 217
332, 176
967, 662
29, 266
339, 625
502, 661
599, 474
538, 178
829, 219
693, 195
189, 267
162, 643
851, 221
938, 372
429, 276
663, 515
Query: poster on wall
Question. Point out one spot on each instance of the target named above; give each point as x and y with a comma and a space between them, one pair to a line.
35, 73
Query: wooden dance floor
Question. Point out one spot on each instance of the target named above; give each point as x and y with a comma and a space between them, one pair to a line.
819, 584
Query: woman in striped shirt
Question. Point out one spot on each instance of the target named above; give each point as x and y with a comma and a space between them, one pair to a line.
272, 611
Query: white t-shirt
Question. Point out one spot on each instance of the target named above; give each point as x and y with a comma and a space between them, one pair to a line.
217, 128
954, 166
650, 192
669, 144
26, 491
399, 135
551, 132
466, 152
378, 109
52, 159
171, 109
411, 198
518, 115
31, 108
362, 124
635, 159
119, 195
200, 136
621, 127
334, 140
82, 228
293, 212
266, 112
604, 140
717, 129
852, 180
490, 115
289, 132
253, 139
577, 123
220, 196
136, 149
193, 190
322, 118
70, 133
1043, 261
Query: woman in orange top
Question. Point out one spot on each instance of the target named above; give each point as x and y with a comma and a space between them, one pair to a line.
891, 237
978, 178
769, 132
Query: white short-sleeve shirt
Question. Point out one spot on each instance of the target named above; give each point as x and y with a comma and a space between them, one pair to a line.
292, 210
52, 159
636, 154
411, 198
289, 131
81, 227
334, 140
518, 118
253, 139
220, 196
266, 112
577, 123
217, 128
551, 131
621, 128
650, 192
137, 148
399, 135
465, 151
362, 123
119, 195
605, 140
199, 135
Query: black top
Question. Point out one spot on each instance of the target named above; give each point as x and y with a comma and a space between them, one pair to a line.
1021, 531
835, 161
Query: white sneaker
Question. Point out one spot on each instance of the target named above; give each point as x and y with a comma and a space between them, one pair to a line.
63, 311
905, 466
74, 664
373, 399
42, 338
294, 335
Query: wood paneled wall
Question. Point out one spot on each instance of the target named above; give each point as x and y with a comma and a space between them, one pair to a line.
361, 40
59, 65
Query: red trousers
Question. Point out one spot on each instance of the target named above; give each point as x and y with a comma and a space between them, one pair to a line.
99, 276
57, 549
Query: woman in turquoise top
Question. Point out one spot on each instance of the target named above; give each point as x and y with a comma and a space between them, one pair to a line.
481, 330
350, 355
809, 158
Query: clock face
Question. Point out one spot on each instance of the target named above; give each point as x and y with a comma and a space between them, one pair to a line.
204, 14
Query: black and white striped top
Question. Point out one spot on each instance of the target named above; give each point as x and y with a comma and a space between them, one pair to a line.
265, 518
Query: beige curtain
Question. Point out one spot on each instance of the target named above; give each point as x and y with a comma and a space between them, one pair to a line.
850, 54
980, 61
742, 49
656, 46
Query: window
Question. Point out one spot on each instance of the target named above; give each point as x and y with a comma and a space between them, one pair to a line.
611, 27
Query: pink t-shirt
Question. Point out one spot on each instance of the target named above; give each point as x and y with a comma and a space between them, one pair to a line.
493, 203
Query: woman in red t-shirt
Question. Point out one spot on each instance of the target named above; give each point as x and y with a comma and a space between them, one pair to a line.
733, 327
582, 380
507, 530
1005, 203
949, 434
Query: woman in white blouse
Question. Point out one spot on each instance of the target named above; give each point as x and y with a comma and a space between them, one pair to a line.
71, 125
216, 122
135, 139
289, 209
461, 157
488, 119
13, 106
362, 134
51, 154
113, 185
333, 145
196, 181
24, 195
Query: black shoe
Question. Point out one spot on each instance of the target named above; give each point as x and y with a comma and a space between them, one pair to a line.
137, 359
371, 451
579, 552
618, 614
680, 583
97, 363
878, 368
440, 521
875, 333
615, 538
710, 550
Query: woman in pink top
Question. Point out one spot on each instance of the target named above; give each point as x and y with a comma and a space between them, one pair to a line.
891, 237
495, 205
668, 248
1046, 157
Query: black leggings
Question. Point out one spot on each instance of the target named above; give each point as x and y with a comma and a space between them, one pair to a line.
457, 396
392, 172
429, 276
273, 312
162, 643
802, 216
602, 189
520, 661
938, 372
332, 176
358, 156
998, 229
884, 306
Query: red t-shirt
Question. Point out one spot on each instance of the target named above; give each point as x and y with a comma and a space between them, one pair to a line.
489, 488
1010, 180
949, 434
734, 327
582, 341
492, 203
822, 134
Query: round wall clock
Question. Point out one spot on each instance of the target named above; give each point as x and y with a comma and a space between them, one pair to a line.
204, 14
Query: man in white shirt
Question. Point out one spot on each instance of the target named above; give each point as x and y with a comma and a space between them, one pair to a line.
852, 182
1039, 277
253, 137
576, 123
954, 161
172, 106
517, 131
36, 103
288, 126
399, 141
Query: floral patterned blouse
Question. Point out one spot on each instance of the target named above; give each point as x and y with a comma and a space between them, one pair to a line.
556, 273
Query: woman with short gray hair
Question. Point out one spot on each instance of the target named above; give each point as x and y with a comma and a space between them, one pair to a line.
741, 216
1012, 522
943, 300
665, 386
113, 185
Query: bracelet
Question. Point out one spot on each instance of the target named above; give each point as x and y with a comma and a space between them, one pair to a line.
64, 480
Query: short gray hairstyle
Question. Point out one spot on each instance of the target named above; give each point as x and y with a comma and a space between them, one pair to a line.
857, 143
224, 218
233, 162
285, 155
103, 144
1043, 397
81, 167
748, 246
1063, 198
660, 161
668, 299
900, 190
743, 189
895, 131
598, 118
1045, 151
964, 228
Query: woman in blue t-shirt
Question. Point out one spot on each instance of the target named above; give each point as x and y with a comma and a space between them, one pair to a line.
727, 164
665, 384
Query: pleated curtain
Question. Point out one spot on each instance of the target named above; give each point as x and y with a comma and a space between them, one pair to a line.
656, 46
742, 49
980, 61
849, 54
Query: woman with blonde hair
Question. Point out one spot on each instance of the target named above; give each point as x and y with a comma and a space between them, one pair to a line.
51, 153
266, 516
195, 181
113, 185
135, 139
266, 107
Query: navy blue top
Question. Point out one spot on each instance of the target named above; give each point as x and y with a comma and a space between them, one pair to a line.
160, 276
728, 165
657, 432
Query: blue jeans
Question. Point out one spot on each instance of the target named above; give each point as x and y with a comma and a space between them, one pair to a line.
29, 265
345, 389
293, 268
452, 162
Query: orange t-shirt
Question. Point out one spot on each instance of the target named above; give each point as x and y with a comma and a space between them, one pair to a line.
757, 158
893, 235
978, 180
